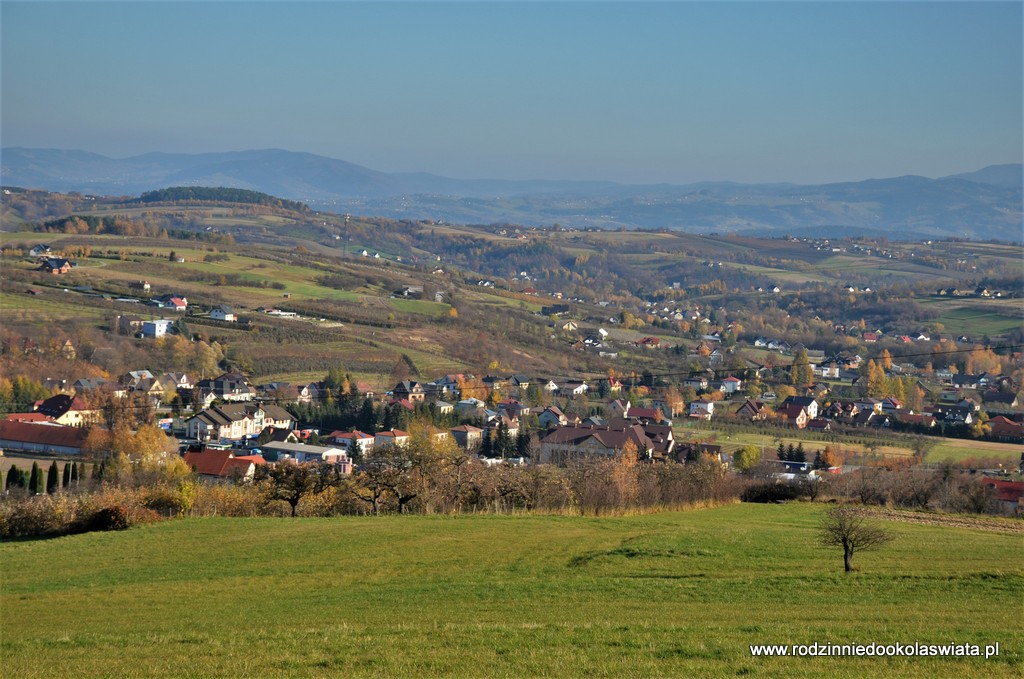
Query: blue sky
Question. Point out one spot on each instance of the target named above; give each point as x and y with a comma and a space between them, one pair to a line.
640, 92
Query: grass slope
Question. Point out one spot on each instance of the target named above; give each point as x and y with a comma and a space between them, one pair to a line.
674, 594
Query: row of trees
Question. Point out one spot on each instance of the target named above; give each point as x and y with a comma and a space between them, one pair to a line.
421, 479
36, 482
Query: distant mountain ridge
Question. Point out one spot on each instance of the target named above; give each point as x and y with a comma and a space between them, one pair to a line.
986, 203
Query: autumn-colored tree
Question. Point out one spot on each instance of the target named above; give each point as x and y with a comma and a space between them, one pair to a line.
801, 373
877, 381
746, 458
981, 360
624, 474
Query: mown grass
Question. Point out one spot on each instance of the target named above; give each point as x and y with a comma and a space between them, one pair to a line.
941, 449
20, 307
673, 594
981, 320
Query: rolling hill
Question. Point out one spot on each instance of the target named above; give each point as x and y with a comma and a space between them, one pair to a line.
984, 204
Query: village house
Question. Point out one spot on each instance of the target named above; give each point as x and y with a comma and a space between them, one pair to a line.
156, 328
552, 416
232, 386
752, 410
55, 265
567, 442
620, 407
999, 398
40, 250
171, 302
223, 313
573, 388
409, 391
363, 441
513, 408
303, 453
28, 437
793, 415
920, 421
235, 421
732, 384
391, 437
702, 410
806, 402
467, 436
1004, 429
71, 411
223, 466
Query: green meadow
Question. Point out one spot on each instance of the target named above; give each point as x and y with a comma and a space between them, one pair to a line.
677, 594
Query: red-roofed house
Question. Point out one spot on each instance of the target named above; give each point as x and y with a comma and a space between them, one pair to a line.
731, 384
1008, 492
219, 466
794, 415
35, 417
364, 441
41, 438
392, 437
1005, 429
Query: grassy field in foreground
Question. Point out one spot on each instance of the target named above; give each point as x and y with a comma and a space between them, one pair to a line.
666, 595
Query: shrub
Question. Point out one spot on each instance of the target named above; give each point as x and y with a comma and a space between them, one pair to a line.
114, 517
770, 491
37, 516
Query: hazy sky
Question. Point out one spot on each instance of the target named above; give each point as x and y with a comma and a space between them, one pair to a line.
659, 92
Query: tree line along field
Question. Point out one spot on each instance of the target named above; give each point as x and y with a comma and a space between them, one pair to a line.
669, 594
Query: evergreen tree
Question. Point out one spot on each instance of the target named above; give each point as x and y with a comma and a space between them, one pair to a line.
487, 445
35, 480
368, 417
502, 443
819, 463
781, 451
53, 479
75, 475
790, 452
522, 443
353, 451
66, 477
799, 455
13, 478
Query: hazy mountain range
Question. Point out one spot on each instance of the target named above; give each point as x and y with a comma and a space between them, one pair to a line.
983, 204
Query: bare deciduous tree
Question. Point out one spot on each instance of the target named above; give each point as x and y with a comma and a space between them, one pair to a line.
846, 527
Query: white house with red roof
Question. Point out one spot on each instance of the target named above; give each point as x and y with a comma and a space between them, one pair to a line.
364, 441
732, 384
391, 437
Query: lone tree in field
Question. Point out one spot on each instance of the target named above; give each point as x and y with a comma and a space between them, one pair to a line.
846, 527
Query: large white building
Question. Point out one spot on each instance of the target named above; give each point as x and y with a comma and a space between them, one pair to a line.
235, 421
